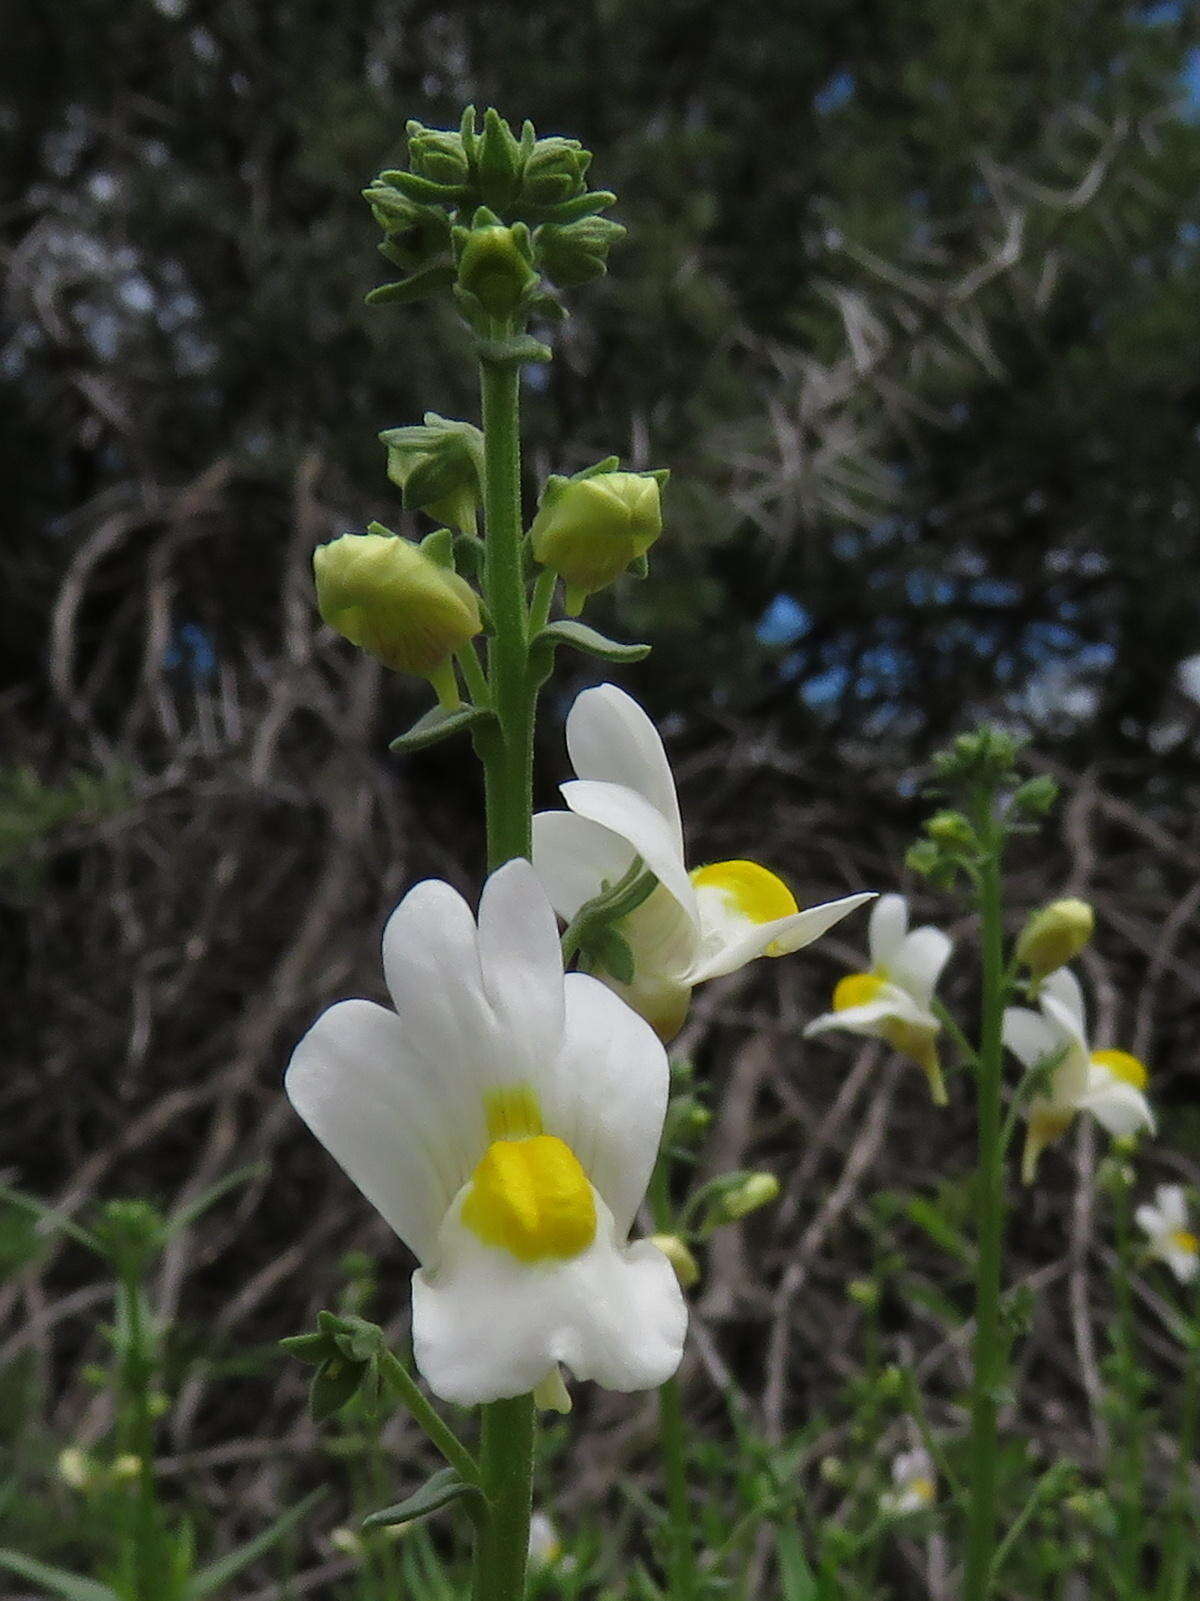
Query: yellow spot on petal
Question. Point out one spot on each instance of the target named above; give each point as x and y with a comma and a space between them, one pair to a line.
531, 1198
751, 890
1183, 1240
513, 1113
1123, 1066
925, 1491
857, 989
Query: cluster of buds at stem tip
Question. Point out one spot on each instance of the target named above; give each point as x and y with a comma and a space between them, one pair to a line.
589, 528
400, 602
492, 213
1054, 936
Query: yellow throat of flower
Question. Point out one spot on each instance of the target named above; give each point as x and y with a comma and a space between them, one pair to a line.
918, 1043
1184, 1240
1123, 1066
531, 1198
751, 891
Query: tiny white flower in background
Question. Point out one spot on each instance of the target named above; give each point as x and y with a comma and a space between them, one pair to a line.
505, 1121
545, 1547
1108, 1084
894, 1001
75, 1468
914, 1484
694, 925
1166, 1226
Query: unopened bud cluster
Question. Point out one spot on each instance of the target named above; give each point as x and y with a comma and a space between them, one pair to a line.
492, 214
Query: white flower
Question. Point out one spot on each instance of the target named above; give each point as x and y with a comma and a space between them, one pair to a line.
1166, 1225
504, 1120
894, 1001
693, 926
1108, 1084
914, 1481
545, 1547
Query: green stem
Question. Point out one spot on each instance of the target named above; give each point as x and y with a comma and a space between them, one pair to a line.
506, 1466
508, 757
509, 1427
1177, 1555
543, 598
989, 1354
438, 1431
1127, 1491
137, 1370
681, 1550
472, 672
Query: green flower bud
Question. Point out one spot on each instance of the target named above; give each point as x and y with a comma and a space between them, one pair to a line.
1055, 936
416, 235
864, 1293
499, 159
589, 529
439, 154
687, 1269
386, 596
951, 829
435, 468
576, 252
495, 267
1036, 796
554, 172
756, 1190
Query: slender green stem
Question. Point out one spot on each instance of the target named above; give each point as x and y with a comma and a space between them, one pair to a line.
543, 597
950, 1023
508, 757
472, 672
506, 1465
989, 1353
509, 1427
1127, 1459
435, 1426
1177, 1554
681, 1549
136, 1376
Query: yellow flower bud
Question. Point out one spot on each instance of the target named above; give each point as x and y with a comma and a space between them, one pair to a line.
590, 529
126, 1466
687, 1269
1054, 936
385, 595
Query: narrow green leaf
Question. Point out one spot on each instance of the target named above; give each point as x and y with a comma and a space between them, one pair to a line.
439, 724
47, 1214
445, 1487
187, 1215
334, 1382
415, 287
57, 1580
797, 1581
212, 1578
580, 637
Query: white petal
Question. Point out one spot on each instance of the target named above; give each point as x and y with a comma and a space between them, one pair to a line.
1028, 1035
1184, 1264
919, 960
431, 963
521, 958
610, 738
868, 1018
609, 1092
1172, 1204
888, 925
573, 857
1062, 990
378, 1109
632, 816
743, 940
1115, 1105
486, 1326
1152, 1222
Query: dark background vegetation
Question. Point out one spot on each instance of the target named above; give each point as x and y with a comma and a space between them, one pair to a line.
911, 308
